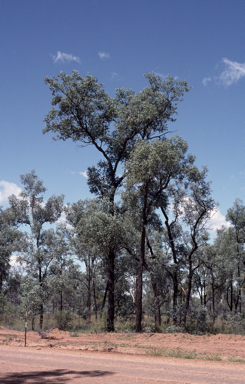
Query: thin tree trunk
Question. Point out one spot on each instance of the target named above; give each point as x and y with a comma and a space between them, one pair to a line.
213, 299
239, 291
188, 294
139, 283
33, 324
61, 301
41, 317
175, 295
89, 290
1, 280
95, 304
156, 305
111, 283
94, 294
104, 299
174, 275
231, 296
41, 306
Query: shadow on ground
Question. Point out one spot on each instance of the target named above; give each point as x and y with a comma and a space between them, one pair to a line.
54, 377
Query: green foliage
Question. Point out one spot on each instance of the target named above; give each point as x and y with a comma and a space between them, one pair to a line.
74, 334
32, 297
64, 320
151, 244
2, 302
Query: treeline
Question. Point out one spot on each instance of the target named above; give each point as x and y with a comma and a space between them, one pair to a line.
141, 245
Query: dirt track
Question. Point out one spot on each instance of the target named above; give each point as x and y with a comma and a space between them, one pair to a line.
24, 366
119, 358
222, 346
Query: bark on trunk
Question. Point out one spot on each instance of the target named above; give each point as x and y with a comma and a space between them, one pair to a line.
33, 324
188, 294
139, 283
89, 291
111, 283
157, 305
175, 295
61, 301
41, 317
95, 301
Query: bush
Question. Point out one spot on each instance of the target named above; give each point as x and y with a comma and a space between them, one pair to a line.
64, 320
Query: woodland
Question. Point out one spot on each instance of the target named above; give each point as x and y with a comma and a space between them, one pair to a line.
139, 249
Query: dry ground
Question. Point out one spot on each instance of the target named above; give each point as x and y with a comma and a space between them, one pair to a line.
207, 347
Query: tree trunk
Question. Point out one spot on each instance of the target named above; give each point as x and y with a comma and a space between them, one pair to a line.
104, 299
41, 306
188, 294
95, 301
33, 324
204, 294
111, 283
41, 317
213, 299
89, 290
156, 305
95, 305
61, 301
139, 283
175, 294
1, 280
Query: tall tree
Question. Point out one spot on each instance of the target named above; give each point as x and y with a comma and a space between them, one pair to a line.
236, 216
85, 251
186, 222
86, 114
9, 237
151, 170
30, 209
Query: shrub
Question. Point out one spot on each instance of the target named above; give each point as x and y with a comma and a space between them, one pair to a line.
63, 320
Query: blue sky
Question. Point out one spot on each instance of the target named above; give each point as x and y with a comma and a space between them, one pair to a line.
118, 41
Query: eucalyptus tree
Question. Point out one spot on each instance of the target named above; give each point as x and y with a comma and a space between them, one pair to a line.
86, 253
103, 232
87, 115
30, 209
60, 277
158, 277
236, 217
231, 260
214, 273
186, 222
160, 174
151, 170
9, 236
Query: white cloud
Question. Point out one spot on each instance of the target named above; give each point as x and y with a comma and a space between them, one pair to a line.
63, 57
84, 174
7, 189
160, 75
206, 80
62, 219
233, 72
104, 55
13, 260
114, 75
217, 220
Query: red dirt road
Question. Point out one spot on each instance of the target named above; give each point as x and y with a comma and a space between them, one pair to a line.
24, 366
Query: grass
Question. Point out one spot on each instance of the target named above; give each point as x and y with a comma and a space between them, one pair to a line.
192, 355
74, 334
183, 354
235, 359
77, 324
